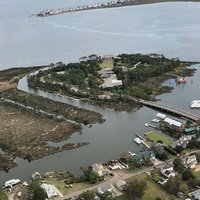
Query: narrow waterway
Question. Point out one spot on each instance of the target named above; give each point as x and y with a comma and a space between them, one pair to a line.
108, 140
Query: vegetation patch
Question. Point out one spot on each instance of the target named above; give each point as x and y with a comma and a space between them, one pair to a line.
158, 137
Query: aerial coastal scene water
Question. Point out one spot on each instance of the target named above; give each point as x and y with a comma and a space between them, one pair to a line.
171, 29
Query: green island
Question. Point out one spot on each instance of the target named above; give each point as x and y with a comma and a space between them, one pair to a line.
111, 80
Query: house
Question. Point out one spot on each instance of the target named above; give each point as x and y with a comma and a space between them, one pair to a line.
120, 185
107, 57
104, 188
11, 183
36, 175
174, 124
182, 141
51, 190
98, 168
158, 148
195, 195
111, 81
142, 156
189, 161
168, 171
190, 131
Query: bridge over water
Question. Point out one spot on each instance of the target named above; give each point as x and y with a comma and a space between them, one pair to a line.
171, 110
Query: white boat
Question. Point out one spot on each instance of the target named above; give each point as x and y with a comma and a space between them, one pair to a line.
137, 140
11, 183
146, 125
195, 104
155, 120
132, 154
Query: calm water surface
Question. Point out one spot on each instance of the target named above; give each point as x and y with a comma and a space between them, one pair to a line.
169, 28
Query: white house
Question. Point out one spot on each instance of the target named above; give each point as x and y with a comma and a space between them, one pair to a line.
189, 161
120, 185
98, 168
51, 190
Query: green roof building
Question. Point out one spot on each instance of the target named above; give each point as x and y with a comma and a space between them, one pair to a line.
190, 131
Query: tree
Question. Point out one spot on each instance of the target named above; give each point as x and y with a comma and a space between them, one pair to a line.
37, 191
93, 177
89, 195
178, 166
187, 174
135, 190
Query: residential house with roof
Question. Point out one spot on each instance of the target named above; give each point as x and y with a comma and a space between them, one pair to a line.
142, 156
168, 170
191, 131
195, 195
120, 185
189, 161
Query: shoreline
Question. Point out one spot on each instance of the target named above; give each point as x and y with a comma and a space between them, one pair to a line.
107, 5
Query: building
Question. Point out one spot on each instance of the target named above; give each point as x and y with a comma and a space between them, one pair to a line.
36, 175
98, 168
182, 141
162, 181
104, 188
11, 183
107, 57
111, 81
51, 190
120, 185
142, 156
174, 124
168, 171
189, 161
190, 131
195, 195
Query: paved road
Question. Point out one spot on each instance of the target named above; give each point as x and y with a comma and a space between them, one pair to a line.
110, 181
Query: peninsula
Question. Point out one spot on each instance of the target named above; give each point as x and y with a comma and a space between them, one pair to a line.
110, 4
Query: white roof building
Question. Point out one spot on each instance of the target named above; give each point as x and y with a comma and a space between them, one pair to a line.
11, 183
120, 185
51, 190
98, 168
172, 122
161, 116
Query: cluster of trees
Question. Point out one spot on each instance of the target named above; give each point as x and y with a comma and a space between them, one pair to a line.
90, 195
91, 176
3, 195
36, 192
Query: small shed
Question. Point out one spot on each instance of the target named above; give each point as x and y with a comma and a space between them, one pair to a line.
120, 185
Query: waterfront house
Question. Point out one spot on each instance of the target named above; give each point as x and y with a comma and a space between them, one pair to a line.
174, 124
141, 157
11, 183
107, 57
182, 141
189, 161
98, 168
36, 175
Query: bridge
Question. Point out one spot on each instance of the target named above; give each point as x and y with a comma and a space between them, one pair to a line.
171, 110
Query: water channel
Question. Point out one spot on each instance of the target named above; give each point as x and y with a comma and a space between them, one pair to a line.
156, 31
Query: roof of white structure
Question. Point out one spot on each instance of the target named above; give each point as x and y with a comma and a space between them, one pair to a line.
51, 190
172, 122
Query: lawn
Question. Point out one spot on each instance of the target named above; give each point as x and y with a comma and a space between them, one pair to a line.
153, 190
158, 136
106, 64
61, 186
3, 195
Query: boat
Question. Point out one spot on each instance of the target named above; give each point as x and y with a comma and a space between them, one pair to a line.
155, 120
132, 154
195, 104
146, 125
137, 140
181, 79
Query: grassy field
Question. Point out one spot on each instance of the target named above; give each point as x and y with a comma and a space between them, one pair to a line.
61, 186
3, 195
106, 64
153, 190
158, 136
